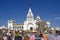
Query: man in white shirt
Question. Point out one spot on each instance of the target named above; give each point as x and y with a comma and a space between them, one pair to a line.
51, 35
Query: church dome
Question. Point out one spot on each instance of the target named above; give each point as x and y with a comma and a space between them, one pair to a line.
38, 17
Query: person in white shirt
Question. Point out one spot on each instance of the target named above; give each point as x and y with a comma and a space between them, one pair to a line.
52, 35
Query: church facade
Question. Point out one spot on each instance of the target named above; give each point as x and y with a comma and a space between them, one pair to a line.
28, 24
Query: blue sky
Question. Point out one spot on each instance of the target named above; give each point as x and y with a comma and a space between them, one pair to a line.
17, 9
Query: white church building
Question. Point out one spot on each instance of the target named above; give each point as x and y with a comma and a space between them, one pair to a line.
30, 22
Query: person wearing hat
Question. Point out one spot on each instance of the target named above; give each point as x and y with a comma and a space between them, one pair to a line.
33, 37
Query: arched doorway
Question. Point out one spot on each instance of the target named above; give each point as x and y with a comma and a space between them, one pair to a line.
29, 26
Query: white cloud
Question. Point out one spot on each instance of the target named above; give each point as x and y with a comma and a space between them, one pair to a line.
57, 18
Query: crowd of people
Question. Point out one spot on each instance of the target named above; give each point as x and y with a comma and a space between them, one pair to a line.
33, 35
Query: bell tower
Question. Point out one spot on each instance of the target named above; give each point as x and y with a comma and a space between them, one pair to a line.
30, 15
10, 24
